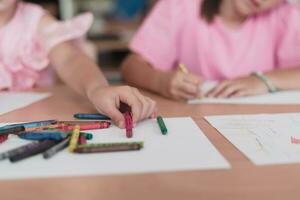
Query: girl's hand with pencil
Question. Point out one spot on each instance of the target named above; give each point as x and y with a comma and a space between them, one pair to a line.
181, 86
107, 100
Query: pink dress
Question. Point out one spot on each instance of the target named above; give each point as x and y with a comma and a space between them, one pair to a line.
175, 33
24, 61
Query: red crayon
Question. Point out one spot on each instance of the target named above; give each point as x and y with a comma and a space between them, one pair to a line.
91, 126
3, 138
41, 128
128, 124
82, 139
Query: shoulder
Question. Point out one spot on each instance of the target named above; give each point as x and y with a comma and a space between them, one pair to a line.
29, 15
80, 23
180, 7
29, 10
175, 12
286, 8
285, 13
45, 21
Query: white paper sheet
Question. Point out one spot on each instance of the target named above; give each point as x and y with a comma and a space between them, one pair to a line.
10, 101
184, 148
265, 139
278, 98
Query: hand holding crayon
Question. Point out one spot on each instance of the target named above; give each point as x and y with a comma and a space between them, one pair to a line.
108, 102
181, 85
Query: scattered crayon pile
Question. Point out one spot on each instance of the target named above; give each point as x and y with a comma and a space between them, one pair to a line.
52, 136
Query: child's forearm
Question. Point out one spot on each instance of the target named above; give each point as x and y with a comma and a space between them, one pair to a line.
76, 69
138, 72
285, 79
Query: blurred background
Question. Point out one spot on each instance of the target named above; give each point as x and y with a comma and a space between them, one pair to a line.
115, 23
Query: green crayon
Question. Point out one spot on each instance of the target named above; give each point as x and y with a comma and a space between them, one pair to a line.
109, 147
87, 136
162, 125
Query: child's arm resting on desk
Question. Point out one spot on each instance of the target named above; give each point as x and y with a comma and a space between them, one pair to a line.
283, 79
173, 84
84, 76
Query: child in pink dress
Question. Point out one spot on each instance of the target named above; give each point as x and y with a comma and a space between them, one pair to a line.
218, 40
34, 46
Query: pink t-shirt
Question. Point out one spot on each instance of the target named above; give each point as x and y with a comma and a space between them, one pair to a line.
24, 61
175, 33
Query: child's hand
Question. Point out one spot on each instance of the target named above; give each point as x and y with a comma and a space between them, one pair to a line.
238, 88
181, 86
107, 101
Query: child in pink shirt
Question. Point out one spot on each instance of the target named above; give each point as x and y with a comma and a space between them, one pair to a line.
217, 40
34, 46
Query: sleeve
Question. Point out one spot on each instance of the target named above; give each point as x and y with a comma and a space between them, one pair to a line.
155, 41
72, 30
288, 48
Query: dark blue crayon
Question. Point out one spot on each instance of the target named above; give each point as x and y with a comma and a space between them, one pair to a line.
91, 116
44, 135
17, 150
32, 124
33, 150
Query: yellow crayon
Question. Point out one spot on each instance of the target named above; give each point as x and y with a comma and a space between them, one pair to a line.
183, 69
74, 138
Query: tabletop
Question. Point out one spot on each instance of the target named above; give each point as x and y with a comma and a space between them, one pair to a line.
243, 181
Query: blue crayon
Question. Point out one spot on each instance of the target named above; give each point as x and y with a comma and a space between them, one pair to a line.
32, 124
11, 130
45, 135
91, 116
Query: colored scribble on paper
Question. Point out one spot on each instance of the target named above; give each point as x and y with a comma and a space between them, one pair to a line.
264, 138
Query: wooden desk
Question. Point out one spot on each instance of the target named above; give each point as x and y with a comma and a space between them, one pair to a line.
243, 181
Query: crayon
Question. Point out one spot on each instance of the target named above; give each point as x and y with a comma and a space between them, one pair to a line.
45, 135
128, 124
67, 127
34, 150
87, 136
141, 143
16, 151
3, 138
109, 147
11, 130
57, 148
48, 127
74, 138
91, 116
91, 126
183, 69
33, 124
162, 125
82, 139
79, 122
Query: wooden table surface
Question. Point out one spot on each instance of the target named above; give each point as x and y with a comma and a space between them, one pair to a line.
243, 181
